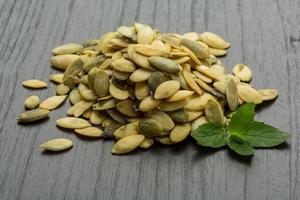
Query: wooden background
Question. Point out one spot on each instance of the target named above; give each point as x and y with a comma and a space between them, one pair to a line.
264, 34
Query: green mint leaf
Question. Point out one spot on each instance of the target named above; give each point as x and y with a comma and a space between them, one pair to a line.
239, 146
212, 134
242, 120
263, 135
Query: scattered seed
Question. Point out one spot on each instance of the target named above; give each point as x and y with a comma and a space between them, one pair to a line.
34, 84
32, 102
268, 94
242, 72
53, 102
33, 115
58, 144
72, 123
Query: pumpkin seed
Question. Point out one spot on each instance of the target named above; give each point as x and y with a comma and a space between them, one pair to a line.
63, 61
126, 108
62, 89
57, 78
138, 59
96, 118
87, 114
66, 49
101, 83
126, 31
213, 111
198, 122
220, 86
32, 102
166, 89
89, 132
148, 142
118, 93
88, 43
126, 130
150, 127
165, 140
110, 129
201, 76
86, 93
232, 95
120, 75
118, 117
72, 123
179, 77
162, 118
145, 35
81, 106
33, 115
141, 90
148, 50
217, 52
190, 81
58, 144
248, 94
198, 102
149, 103
179, 115
180, 95
164, 64
53, 102
191, 55
127, 144
191, 36
74, 68
123, 65
242, 72
74, 96
34, 84
211, 73
171, 106
213, 40
193, 115
268, 94
199, 50
155, 79
105, 104
92, 63
140, 75
180, 132
70, 81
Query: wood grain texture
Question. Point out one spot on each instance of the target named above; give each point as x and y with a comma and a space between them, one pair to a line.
264, 35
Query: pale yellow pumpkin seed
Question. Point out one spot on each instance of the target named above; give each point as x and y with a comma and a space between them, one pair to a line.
32, 102
90, 132
127, 144
58, 144
53, 102
72, 123
34, 84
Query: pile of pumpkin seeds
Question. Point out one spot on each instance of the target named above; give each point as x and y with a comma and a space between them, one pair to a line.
139, 86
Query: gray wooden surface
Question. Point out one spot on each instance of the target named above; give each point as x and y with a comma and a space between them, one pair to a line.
264, 34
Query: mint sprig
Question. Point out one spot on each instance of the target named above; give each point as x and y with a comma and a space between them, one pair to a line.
241, 134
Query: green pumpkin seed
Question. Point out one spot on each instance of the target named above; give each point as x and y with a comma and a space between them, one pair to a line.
74, 68
150, 127
53, 102
105, 104
92, 63
72, 123
34, 84
33, 115
164, 64
232, 95
101, 83
162, 118
32, 102
213, 111
61, 62
110, 129
118, 117
155, 79
58, 144
89, 132
71, 81
179, 115
199, 50
127, 144
126, 108
66, 49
